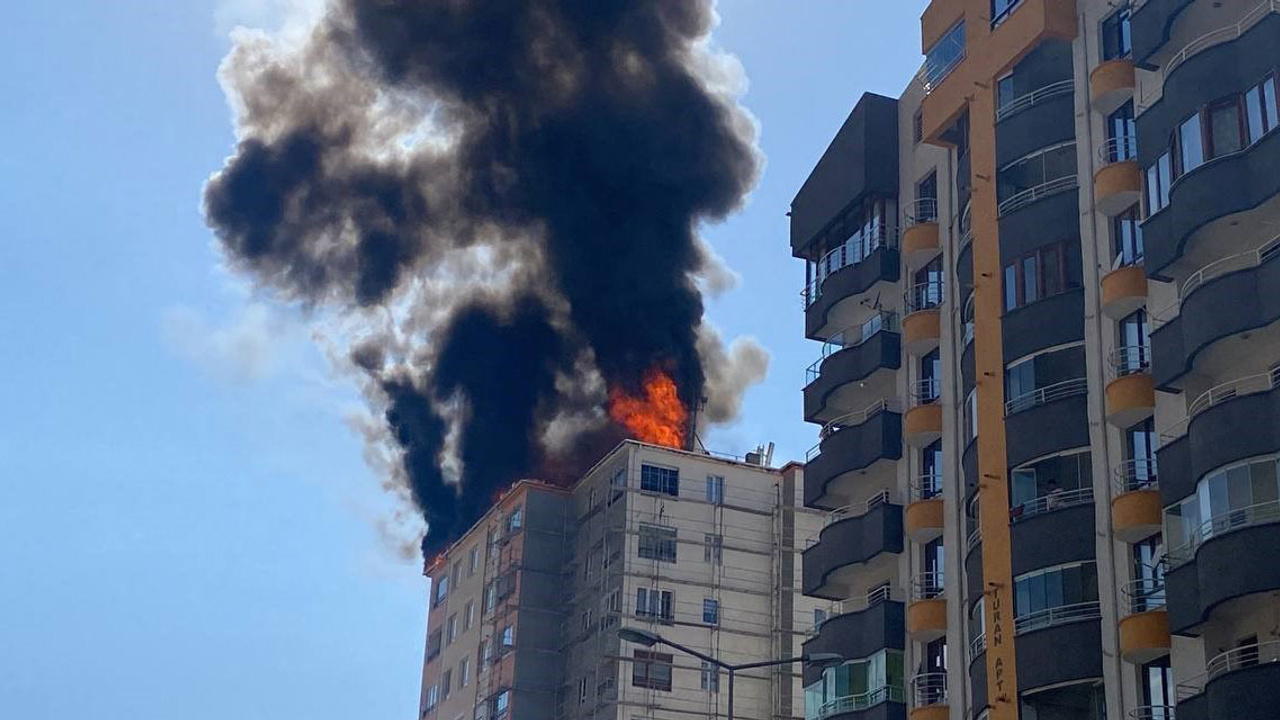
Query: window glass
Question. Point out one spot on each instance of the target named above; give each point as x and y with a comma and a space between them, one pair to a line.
1050, 271
715, 488
1191, 144
1122, 129
710, 611
1116, 42
945, 54
657, 543
660, 480
1253, 113
1224, 128
1165, 163
1000, 9
1126, 236
1010, 287
1269, 107
1030, 287
1004, 90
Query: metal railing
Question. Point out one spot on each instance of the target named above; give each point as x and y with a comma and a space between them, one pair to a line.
1212, 271
966, 226
852, 336
1033, 98
1235, 659
850, 252
935, 70
977, 646
1235, 519
923, 210
1039, 192
1119, 149
923, 296
1152, 712
852, 419
884, 497
1134, 475
1129, 360
882, 594
1249, 385
975, 537
1054, 500
924, 392
929, 688
857, 703
1046, 394
927, 586
1144, 594
926, 486
1059, 615
1217, 37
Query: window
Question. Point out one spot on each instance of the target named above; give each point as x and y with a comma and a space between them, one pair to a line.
451, 629
713, 548
1000, 9
1005, 90
657, 543
931, 471
715, 489
468, 616
442, 589
651, 670
586, 620
1156, 679
433, 697
446, 679
1036, 276
1126, 238
501, 702
1135, 343
1038, 594
1140, 452
710, 677
655, 603
1159, 178
977, 628
457, 573
1261, 112
1122, 134
933, 558
819, 617
486, 652
514, 521
660, 480
927, 199
1116, 40
945, 54
1052, 483
1190, 144
971, 416
1232, 497
464, 672
1226, 129
474, 562
1148, 574
508, 636
614, 602
433, 644
930, 378
1017, 180
491, 595
711, 611
917, 127
1020, 380
583, 685
857, 684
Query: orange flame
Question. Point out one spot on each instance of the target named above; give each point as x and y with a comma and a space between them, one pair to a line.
657, 417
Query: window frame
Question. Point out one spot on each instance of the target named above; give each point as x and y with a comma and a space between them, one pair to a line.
660, 479
643, 663
1018, 266
711, 609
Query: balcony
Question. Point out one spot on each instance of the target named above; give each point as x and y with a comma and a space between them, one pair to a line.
1136, 512
1070, 634
1111, 84
861, 627
882, 703
924, 514
1144, 625
920, 238
857, 363
1239, 683
922, 424
1151, 712
1035, 119
857, 450
922, 325
854, 536
927, 614
929, 700
1117, 183
831, 300
1124, 290
1032, 195
1131, 394
1047, 420
1052, 530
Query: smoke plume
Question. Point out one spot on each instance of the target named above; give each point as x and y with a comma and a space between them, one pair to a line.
506, 195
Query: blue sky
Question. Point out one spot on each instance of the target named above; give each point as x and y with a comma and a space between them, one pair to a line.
187, 526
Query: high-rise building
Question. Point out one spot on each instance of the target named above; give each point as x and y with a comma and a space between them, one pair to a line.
702, 550
1047, 386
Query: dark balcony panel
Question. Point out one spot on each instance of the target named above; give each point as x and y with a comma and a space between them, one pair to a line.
1059, 654
970, 461
883, 350
859, 634
1231, 304
1177, 480
1235, 563
978, 682
964, 180
852, 449
973, 573
1054, 219
967, 370
1150, 26
1221, 187
1195, 707
861, 160
964, 268
1053, 538
1249, 692
882, 265
1049, 122
1048, 428
1056, 320
883, 711
852, 541
1233, 430
1229, 67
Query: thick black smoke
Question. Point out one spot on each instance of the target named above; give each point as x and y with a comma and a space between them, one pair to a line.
583, 139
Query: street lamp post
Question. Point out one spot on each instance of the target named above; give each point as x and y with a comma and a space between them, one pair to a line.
648, 639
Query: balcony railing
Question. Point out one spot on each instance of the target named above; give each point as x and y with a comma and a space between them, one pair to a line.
852, 336
977, 646
1249, 385
924, 392
966, 226
852, 419
1047, 394
1236, 519
1216, 37
927, 586
1033, 98
1039, 192
858, 703
1214, 270
941, 60
929, 688
851, 252
884, 497
1152, 712
1060, 615
926, 486
882, 594
923, 296
1144, 594
923, 210
1134, 475
1129, 360
1054, 500
1227, 662
974, 539
1119, 149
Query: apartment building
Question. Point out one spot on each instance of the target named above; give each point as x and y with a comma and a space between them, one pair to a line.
701, 550
1047, 379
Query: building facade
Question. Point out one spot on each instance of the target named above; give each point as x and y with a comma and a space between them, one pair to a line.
1047, 384
701, 550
